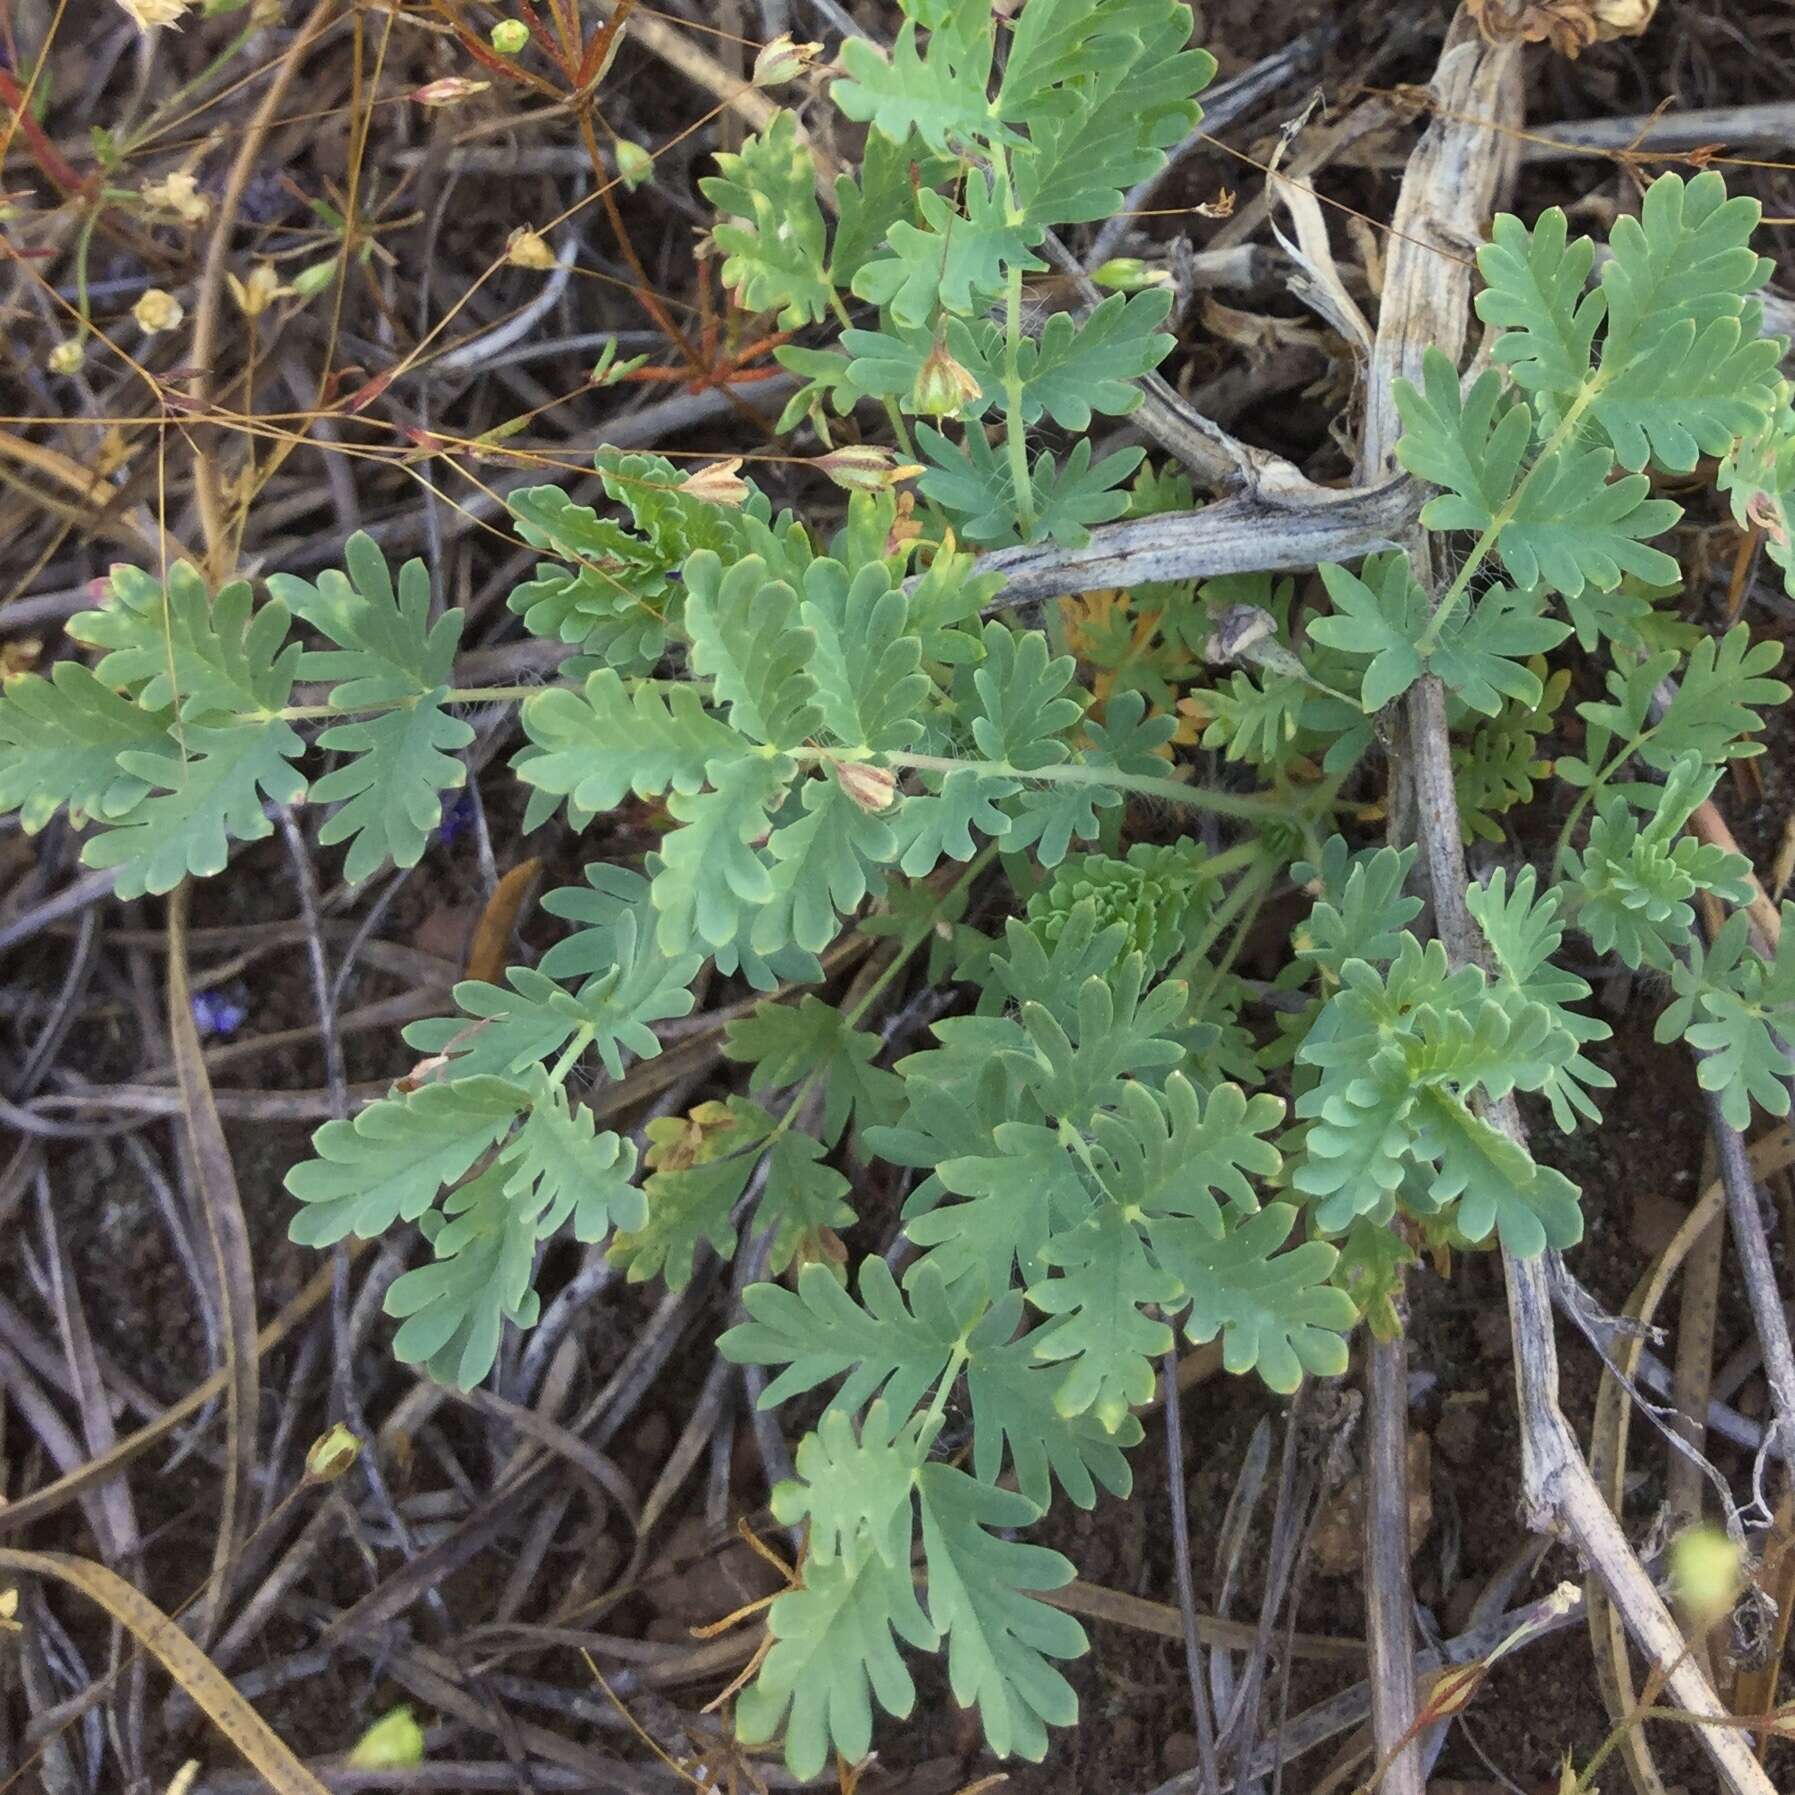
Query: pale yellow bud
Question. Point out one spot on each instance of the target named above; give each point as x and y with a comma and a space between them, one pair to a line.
394, 1742
67, 356
872, 788
864, 467
526, 248
1707, 1572
179, 193
717, 483
157, 311
510, 36
331, 1454
451, 90
782, 61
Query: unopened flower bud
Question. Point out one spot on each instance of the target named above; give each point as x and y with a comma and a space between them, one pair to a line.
157, 311
510, 36
872, 788
782, 61
331, 1454
451, 90
67, 356
943, 387
1706, 1574
309, 282
864, 467
526, 248
717, 483
1129, 274
394, 1742
634, 164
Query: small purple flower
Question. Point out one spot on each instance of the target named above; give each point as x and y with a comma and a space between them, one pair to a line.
456, 816
216, 1014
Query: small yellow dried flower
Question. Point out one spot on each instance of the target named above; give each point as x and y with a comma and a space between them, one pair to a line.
526, 248
255, 295
179, 193
157, 311
67, 357
717, 483
451, 90
782, 61
146, 15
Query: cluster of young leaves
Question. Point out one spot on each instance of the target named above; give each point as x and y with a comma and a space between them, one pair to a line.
1073, 1174
1403, 1051
486, 1126
789, 786
178, 742
612, 589
1546, 457
961, 179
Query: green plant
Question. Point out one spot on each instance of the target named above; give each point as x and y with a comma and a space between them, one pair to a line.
839, 737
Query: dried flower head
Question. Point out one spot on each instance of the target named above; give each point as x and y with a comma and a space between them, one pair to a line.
526, 248
146, 15
1569, 26
179, 193
717, 483
67, 357
255, 295
157, 311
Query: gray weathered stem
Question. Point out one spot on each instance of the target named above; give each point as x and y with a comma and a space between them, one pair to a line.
1452, 171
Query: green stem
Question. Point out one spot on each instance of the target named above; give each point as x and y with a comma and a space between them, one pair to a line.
183, 92
1588, 796
898, 428
581, 1041
310, 713
83, 244
1014, 438
1145, 785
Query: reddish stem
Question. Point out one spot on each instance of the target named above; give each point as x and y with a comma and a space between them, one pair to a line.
48, 157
